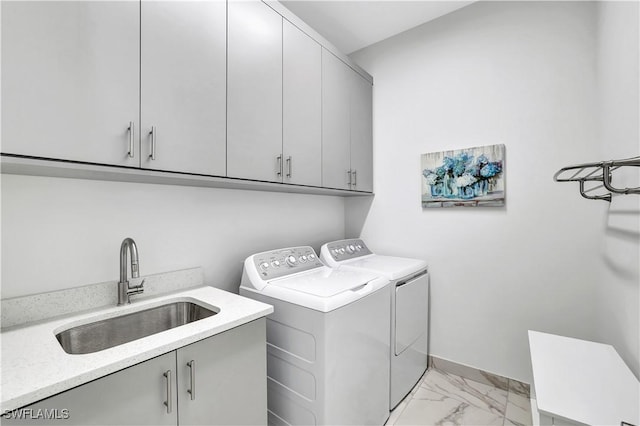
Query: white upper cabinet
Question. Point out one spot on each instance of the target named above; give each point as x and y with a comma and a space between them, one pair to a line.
302, 108
70, 80
183, 86
336, 86
254, 90
347, 149
361, 134
223, 88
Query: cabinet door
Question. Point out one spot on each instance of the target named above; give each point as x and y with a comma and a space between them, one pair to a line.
336, 85
302, 107
223, 379
70, 80
135, 395
183, 82
254, 103
361, 134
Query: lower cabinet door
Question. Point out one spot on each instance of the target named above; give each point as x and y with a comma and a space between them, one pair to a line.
134, 396
223, 379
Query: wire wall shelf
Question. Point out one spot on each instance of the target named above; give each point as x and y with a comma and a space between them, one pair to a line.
595, 178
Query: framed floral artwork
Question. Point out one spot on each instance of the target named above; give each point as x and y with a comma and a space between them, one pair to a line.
471, 177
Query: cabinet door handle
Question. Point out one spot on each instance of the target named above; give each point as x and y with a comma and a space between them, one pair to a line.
153, 142
349, 174
168, 402
192, 373
289, 166
279, 171
131, 130
355, 181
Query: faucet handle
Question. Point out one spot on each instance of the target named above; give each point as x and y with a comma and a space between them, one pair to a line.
136, 289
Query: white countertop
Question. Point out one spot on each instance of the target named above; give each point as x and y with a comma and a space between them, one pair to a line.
583, 381
34, 366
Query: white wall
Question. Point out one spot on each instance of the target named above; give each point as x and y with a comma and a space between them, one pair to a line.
618, 74
518, 73
61, 233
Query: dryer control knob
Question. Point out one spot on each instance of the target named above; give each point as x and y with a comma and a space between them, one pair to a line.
291, 260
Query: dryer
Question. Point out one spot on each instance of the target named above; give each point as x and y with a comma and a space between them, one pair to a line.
327, 339
409, 291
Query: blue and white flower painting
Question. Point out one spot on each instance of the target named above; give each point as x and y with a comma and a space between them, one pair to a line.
468, 177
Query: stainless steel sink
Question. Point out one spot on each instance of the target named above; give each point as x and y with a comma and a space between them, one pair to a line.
99, 335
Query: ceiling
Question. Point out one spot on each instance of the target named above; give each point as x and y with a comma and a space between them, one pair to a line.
354, 24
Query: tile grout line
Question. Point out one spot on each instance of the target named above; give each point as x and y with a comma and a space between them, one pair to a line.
412, 396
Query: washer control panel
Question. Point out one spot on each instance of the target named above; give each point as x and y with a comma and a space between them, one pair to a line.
278, 263
347, 249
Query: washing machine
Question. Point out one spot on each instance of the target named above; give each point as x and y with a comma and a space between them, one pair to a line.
409, 291
327, 339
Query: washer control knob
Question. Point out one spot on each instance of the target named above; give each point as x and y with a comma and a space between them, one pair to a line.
358, 247
350, 248
291, 260
264, 265
275, 263
303, 259
311, 257
341, 250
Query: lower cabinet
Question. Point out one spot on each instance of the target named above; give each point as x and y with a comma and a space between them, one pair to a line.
220, 380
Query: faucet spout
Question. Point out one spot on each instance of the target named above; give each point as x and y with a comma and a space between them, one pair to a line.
124, 289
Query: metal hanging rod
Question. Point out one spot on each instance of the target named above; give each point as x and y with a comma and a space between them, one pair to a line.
597, 172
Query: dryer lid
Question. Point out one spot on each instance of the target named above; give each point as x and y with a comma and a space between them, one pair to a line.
391, 267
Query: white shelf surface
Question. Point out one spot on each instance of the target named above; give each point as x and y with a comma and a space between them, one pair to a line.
582, 382
17, 165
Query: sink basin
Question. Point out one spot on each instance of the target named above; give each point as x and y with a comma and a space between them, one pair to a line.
99, 335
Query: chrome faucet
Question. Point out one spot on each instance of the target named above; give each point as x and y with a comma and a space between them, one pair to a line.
124, 289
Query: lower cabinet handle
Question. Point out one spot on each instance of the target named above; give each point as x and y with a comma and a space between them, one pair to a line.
279, 171
349, 174
131, 130
168, 402
153, 142
289, 166
192, 374
355, 182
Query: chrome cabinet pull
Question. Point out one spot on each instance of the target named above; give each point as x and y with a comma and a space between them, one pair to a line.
192, 373
349, 174
153, 142
168, 402
279, 171
289, 166
355, 182
131, 130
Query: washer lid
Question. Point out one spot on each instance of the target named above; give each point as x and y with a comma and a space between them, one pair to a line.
324, 289
324, 282
391, 267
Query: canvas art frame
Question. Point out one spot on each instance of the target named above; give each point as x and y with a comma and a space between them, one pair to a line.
469, 177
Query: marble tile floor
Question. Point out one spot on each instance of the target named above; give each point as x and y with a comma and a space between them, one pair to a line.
443, 398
